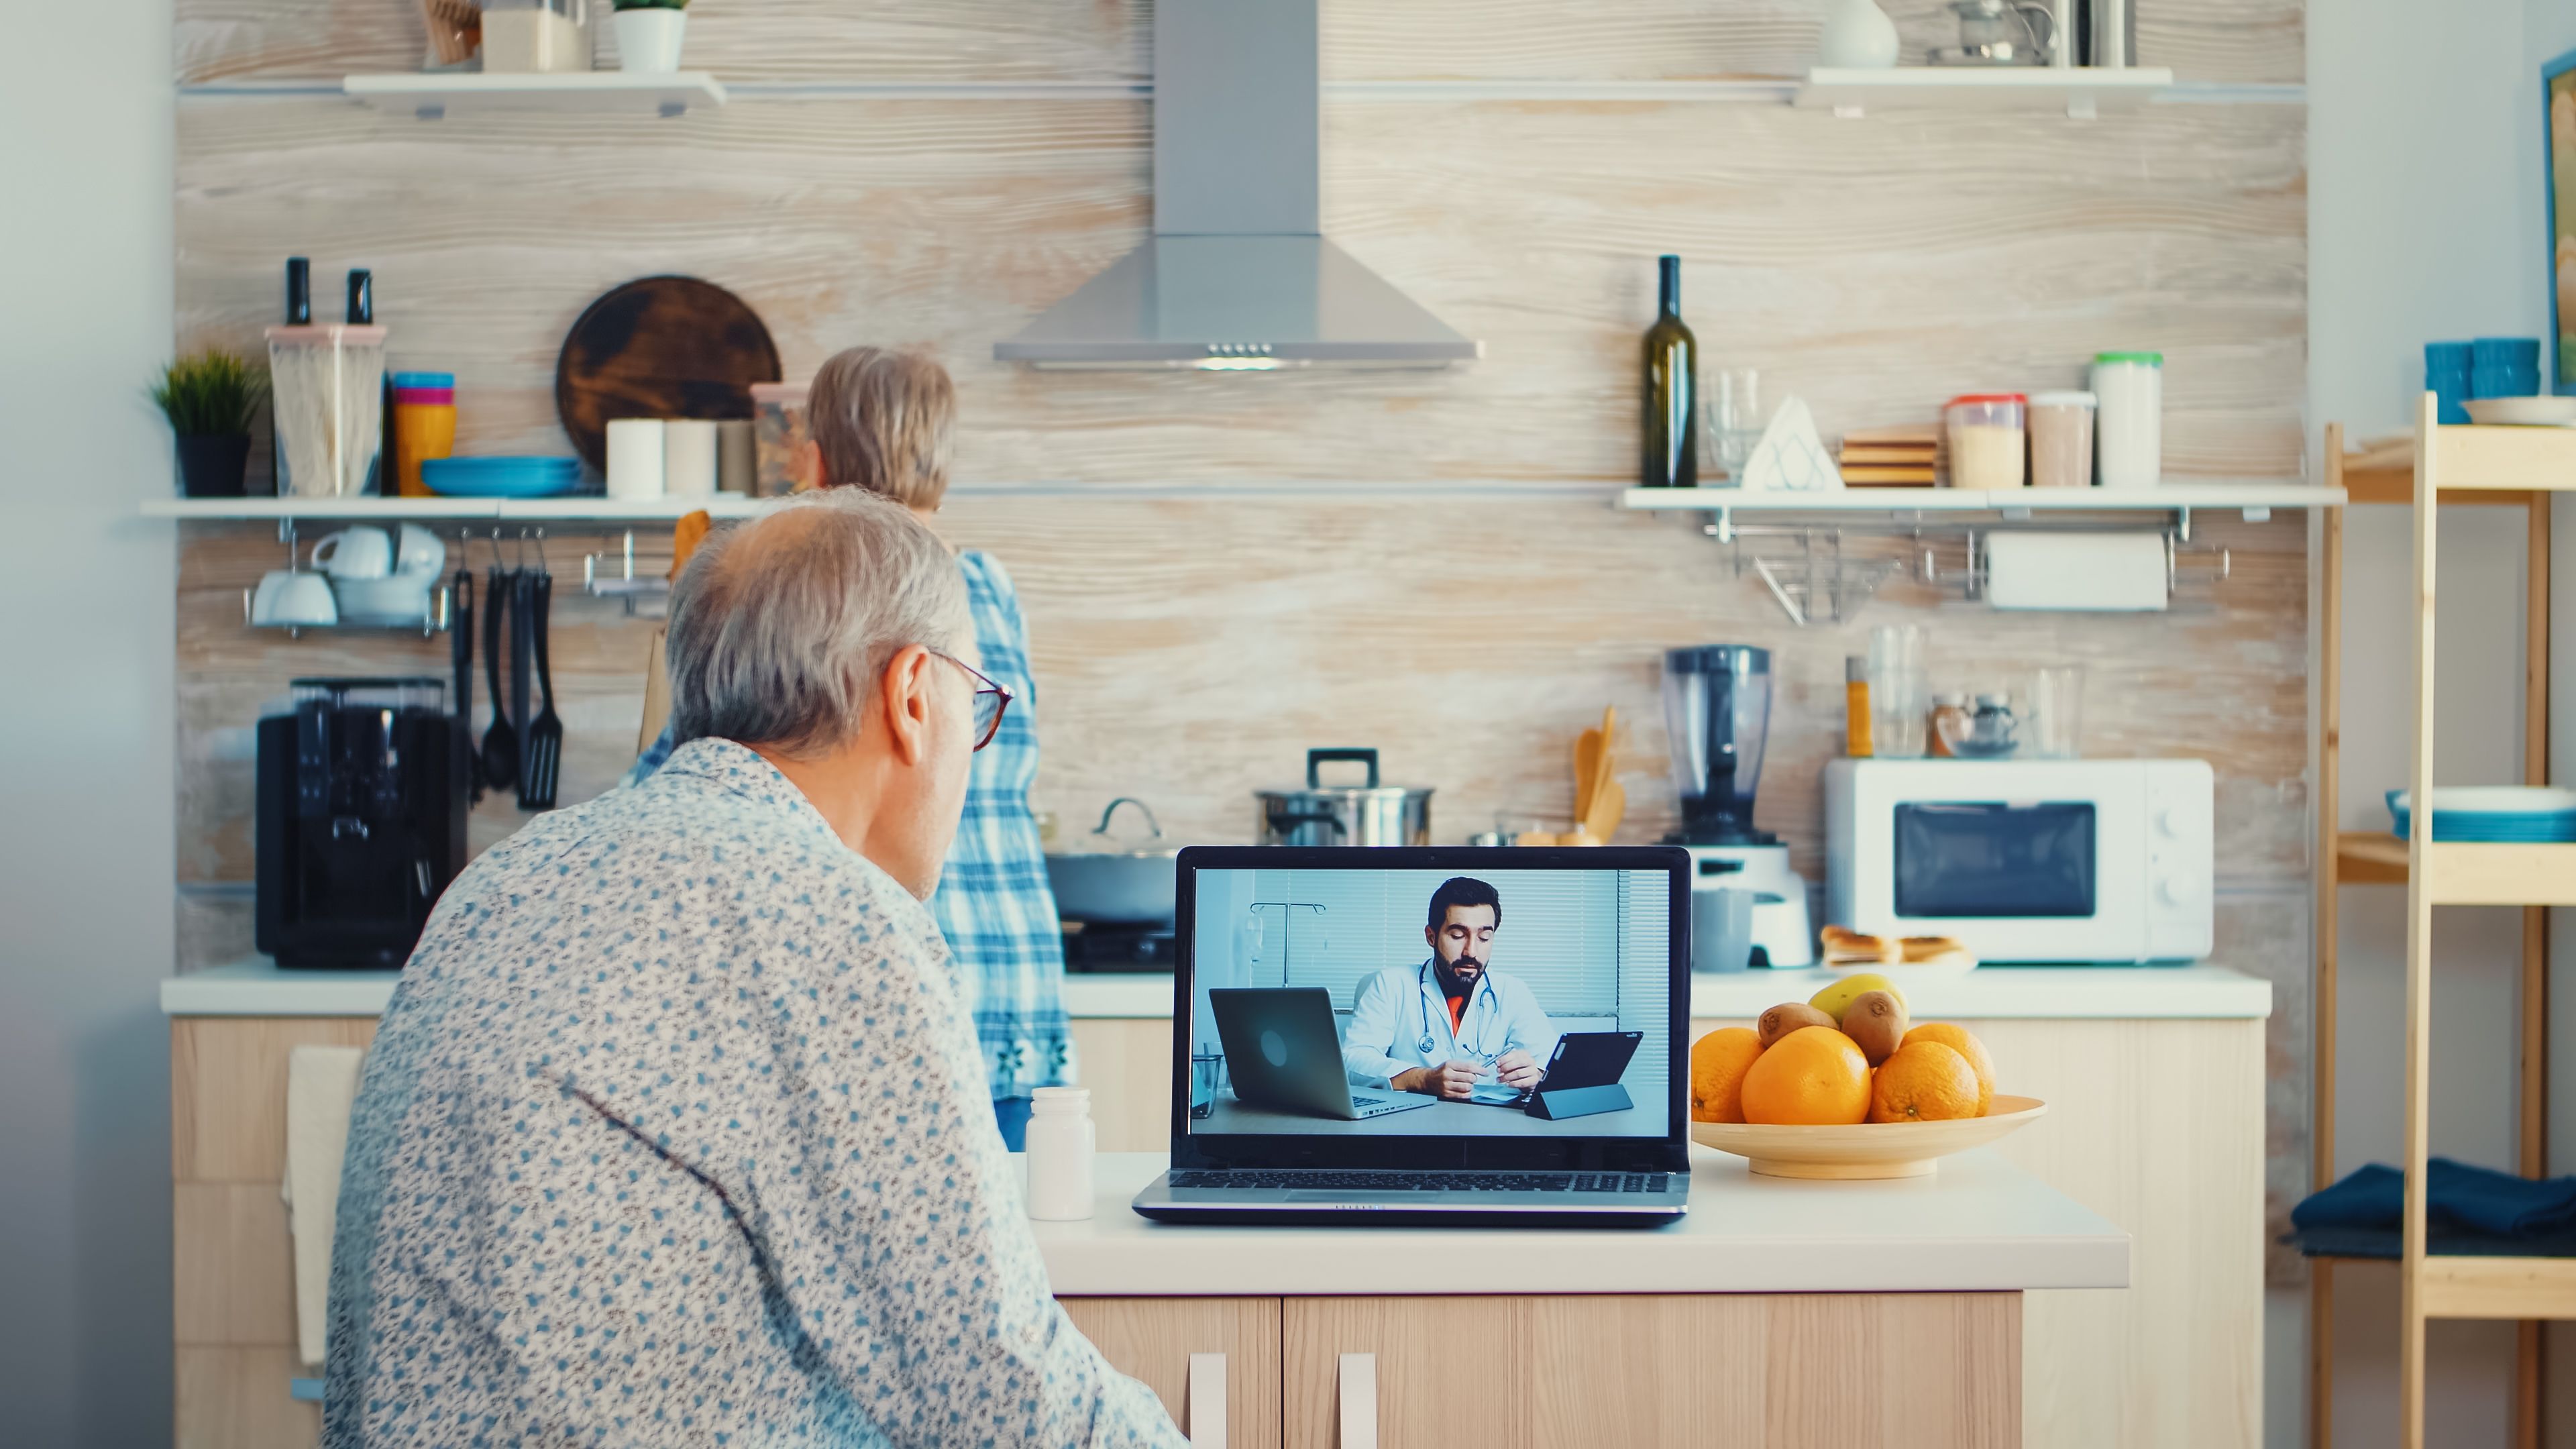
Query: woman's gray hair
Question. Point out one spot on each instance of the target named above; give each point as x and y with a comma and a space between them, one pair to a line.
780, 627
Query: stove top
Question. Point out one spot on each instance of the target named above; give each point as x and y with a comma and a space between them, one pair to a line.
1123, 949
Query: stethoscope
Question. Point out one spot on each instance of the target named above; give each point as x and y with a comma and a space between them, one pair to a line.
1483, 992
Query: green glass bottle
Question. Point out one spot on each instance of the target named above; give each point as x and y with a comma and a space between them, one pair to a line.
1671, 458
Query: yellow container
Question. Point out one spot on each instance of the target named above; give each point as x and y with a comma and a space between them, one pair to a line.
424, 426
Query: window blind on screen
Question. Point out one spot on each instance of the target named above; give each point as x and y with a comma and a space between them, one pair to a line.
1561, 931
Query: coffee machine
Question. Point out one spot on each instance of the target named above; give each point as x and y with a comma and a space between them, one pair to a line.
361, 804
1717, 711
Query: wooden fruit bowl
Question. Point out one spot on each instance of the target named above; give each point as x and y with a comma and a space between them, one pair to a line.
1868, 1150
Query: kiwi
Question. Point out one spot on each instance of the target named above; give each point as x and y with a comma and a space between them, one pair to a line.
1788, 1016
1876, 1022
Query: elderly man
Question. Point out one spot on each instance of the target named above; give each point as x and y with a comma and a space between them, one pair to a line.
676, 1132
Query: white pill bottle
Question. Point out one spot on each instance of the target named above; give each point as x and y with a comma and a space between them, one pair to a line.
1062, 1141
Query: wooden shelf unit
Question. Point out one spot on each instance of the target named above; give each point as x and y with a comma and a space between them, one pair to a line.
2452, 465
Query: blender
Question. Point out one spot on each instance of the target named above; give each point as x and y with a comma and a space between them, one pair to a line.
1717, 711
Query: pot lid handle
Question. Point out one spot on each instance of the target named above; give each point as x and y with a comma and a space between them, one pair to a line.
1316, 759
1142, 808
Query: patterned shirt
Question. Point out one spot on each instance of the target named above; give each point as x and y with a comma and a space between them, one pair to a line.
674, 1135
994, 903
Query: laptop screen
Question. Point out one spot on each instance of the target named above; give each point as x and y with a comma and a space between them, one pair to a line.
1493, 995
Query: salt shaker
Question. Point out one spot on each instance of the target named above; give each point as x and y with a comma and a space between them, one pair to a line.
1062, 1140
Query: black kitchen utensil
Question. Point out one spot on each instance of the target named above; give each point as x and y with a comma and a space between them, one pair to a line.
501, 742
545, 733
523, 643
460, 645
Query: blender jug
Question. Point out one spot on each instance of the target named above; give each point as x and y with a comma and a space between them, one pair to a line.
1717, 708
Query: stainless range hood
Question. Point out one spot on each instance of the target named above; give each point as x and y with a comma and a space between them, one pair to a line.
1238, 276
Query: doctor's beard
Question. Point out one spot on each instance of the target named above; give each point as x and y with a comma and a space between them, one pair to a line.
1466, 969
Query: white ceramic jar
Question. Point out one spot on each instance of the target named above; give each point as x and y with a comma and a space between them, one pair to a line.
1062, 1142
2129, 426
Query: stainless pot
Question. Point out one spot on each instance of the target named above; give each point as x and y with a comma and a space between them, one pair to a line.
1321, 814
1112, 886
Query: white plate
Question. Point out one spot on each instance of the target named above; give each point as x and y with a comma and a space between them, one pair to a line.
2524, 412
2497, 799
1900, 974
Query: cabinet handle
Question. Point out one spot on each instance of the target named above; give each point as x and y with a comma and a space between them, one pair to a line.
1207, 1401
1359, 1401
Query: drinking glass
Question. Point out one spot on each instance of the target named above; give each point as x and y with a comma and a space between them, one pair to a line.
1737, 417
1898, 692
1207, 1074
2057, 712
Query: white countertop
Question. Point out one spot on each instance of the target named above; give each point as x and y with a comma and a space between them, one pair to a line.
256, 987
1980, 1224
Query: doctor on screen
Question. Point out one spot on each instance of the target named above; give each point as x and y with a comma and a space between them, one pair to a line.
1440, 1027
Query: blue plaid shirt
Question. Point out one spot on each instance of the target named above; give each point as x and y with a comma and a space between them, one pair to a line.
994, 904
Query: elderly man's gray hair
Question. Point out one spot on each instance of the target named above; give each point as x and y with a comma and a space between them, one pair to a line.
781, 627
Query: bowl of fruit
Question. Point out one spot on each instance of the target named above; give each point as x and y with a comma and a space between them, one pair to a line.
1847, 1085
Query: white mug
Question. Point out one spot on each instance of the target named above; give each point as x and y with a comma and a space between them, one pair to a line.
419, 552
293, 597
356, 553
689, 458
634, 458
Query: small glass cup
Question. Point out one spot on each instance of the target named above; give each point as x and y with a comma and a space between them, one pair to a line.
1736, 416
2056, 712
1207, 1074
1898, 692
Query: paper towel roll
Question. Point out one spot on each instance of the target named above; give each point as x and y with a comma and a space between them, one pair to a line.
2104, 572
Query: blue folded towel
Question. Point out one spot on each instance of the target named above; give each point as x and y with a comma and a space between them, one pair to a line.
2474, 1199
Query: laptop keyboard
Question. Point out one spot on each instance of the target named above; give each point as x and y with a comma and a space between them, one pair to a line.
1329, 1180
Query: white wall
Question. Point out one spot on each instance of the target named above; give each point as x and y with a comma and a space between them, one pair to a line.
2424, 223
86, 854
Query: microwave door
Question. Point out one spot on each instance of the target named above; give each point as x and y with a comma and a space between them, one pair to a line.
2028, 880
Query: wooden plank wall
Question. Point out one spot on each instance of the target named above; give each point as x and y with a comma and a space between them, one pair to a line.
1189, 648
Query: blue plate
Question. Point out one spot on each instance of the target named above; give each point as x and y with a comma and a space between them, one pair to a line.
2487, 815
501, 477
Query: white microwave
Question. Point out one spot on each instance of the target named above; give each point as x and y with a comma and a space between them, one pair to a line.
2086, 861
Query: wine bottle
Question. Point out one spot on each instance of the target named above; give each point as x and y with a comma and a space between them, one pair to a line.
1671, 457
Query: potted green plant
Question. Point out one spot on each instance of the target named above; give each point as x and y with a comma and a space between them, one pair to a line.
648, 34
210, 398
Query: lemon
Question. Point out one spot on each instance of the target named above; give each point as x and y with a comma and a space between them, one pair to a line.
1836, 999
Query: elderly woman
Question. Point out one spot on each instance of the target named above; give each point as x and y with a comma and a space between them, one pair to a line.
884, 422
675, 1131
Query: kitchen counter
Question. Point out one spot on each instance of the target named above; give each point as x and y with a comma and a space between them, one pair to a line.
256, 987
1980, 1224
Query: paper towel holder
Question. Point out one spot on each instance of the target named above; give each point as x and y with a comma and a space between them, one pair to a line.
1822, 584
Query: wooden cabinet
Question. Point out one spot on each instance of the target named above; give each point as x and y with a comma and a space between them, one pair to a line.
1784, 1371
1127, 1064
1153, 1338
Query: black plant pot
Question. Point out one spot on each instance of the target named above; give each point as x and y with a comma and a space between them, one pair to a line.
211, 465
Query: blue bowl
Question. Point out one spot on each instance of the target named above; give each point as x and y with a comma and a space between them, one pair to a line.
501, 477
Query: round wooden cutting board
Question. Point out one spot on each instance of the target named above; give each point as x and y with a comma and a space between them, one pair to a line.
659, 347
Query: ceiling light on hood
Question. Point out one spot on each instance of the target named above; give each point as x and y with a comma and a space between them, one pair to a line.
1238, 250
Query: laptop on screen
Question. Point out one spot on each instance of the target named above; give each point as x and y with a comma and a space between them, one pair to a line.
1434, 1035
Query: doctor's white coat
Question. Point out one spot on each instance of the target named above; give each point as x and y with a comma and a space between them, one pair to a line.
1401, 1006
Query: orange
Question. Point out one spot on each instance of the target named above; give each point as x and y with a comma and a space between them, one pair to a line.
1718, 1063
1924, 1081
1958, 1039
1815, 1077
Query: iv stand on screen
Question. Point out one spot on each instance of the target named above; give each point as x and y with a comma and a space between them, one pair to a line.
1287, 925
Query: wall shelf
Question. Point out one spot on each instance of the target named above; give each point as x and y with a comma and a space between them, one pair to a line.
2255, 500
2082, 92
577, 509
432, 95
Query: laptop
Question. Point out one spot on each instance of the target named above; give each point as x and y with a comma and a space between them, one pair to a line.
1308, 982
1282, 1053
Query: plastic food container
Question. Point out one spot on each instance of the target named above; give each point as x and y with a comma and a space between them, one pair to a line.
779, 435
328, 382
536, 36
2061, 439
2130, 425
1986, 439
424, 426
